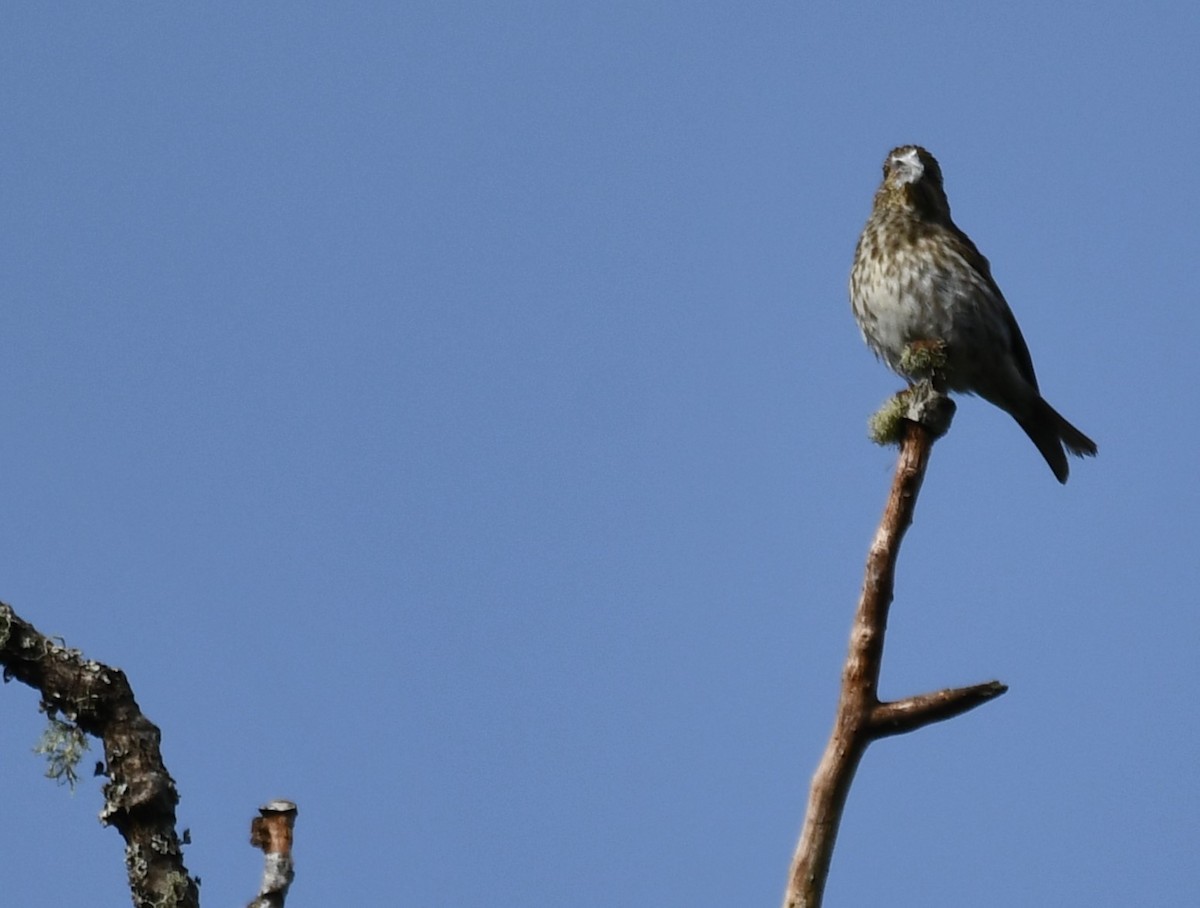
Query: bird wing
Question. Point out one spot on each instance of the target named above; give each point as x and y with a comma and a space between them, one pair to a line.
1017, 345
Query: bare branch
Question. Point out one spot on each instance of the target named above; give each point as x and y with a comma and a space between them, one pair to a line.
923, 416
911, 713
271, 831
140, 795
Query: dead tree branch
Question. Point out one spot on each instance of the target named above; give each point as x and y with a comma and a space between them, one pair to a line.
140, 795
861, 716
271, 831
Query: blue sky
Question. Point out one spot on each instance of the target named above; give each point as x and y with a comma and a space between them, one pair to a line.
451, 418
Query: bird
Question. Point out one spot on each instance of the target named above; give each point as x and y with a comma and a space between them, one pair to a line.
918, 281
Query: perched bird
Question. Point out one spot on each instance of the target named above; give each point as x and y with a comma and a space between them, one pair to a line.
919, 280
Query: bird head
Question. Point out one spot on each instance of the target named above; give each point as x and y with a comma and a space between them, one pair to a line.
912, 178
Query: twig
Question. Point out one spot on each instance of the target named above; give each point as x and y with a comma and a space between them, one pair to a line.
271, 831
861, 716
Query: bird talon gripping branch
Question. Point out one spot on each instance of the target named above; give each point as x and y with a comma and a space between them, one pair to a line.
917, 276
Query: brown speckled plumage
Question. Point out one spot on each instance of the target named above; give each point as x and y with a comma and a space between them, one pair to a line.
918, 278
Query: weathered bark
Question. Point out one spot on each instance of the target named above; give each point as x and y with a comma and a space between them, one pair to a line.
140, 795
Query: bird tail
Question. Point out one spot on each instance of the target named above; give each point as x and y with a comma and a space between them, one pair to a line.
1046, 427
